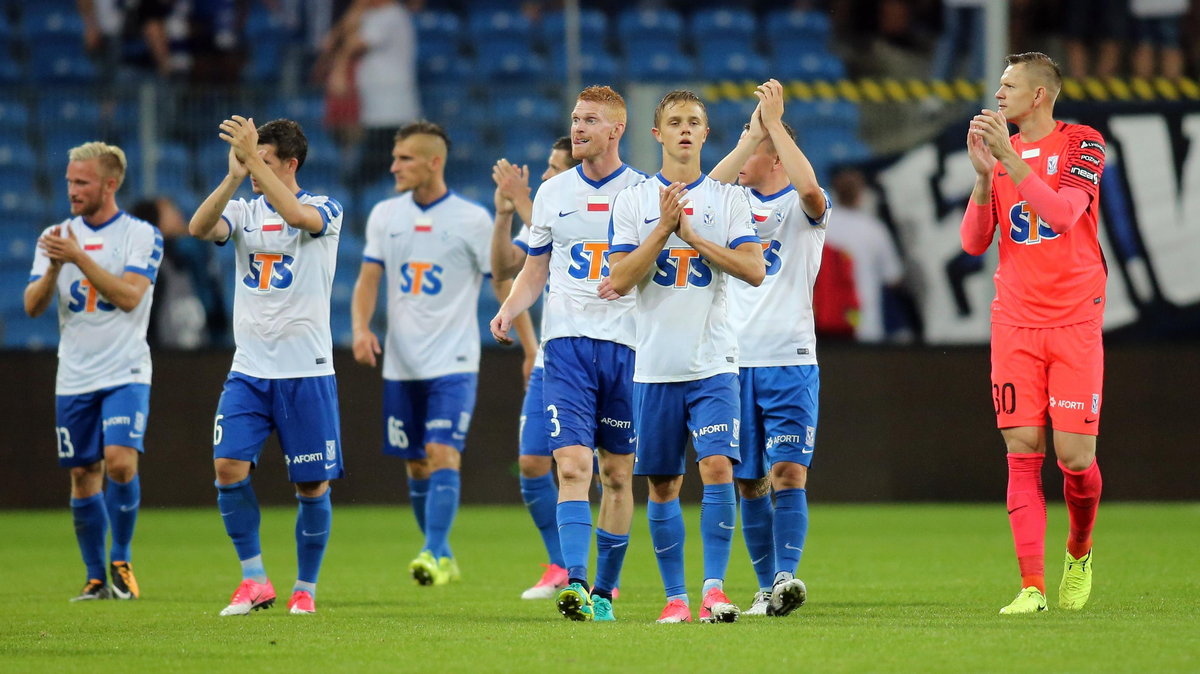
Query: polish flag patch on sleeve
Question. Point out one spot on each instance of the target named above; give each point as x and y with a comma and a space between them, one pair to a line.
423, 224
598, 202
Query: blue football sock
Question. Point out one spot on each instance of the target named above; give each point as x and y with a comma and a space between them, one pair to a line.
575, 534
757, 529
610, 557
122, 501
440, 509
667, 536
791, 528
91, 530
302, 586
253, 569
541, 498
313, 520
239, 509
718, 519
418, 492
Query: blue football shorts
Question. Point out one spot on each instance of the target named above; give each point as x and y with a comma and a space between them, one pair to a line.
86, 423
779, 417
303, 412
422, 411
533, 439
588, 394
665, 413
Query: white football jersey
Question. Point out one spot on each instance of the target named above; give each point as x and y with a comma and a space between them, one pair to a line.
100, 345
683, 327
284, 282
521, 240
774, 321
435, 257
570, 223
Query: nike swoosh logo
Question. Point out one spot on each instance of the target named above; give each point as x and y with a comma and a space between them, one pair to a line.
1089, 421
621, 545
789, 546
227, 514
131, 508
563, 215
658, 551
632, 440
319, 533
248, 230
529, 503
395, 234
1016, 509
138, 435
650, 220
330, 465
756, 561
806, 451
1002, 173
442, 487
725, 526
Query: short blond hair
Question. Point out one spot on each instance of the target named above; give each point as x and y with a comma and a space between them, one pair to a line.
606, 96
678, 97
111, 158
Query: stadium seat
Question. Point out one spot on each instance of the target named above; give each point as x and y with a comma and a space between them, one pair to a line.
16, 153
730, 114
659, 63
593, 67
809, 66
440, 27
443, 68
721, 64
12, 72
711, 24
34, 334
543, 113
643, 27
593, 29
484, 26
790, 26
63, 69
308, 110
49, 21
509, 61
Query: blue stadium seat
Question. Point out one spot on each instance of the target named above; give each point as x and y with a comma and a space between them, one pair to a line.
434, 26
443, 68
266, 63
711, 24
658, 63
35, 334
435, 48
541, 112
11, 72
81, 114
730, 114
212, 163
593, 29
721, 64
510, 61
789, 26
484, 26
638, 27
593, 67
63, 69
53, 21
308, 110
16, 153
19, 243
810, 66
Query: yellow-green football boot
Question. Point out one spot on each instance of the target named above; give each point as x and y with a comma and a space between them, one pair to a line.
1029, 600
1076, 584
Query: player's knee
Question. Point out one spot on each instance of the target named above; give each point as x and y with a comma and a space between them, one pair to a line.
312, 489
664, 488
616, 478
418, 469
533, 467
121, 464
716, 470
85, 480
788, 475
574, 471
230, 471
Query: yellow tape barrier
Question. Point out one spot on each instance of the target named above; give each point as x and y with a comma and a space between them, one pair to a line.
889, 90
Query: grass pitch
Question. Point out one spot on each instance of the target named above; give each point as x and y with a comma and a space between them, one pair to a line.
892, 588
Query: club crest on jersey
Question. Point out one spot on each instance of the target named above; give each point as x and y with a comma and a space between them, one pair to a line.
269, 271
1022, 227
771, 255
681, 267
421, 278
710, 216
598, 202
589, 260
1052, 165
85, 299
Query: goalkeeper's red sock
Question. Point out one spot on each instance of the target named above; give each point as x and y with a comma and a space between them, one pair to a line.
1027, 517
1082, 492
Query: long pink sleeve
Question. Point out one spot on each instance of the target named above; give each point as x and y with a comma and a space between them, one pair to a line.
1061, 209
977, 228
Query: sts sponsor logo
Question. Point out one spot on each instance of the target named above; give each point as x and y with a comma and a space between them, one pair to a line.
1022, 227
421, 278
84, 298
589, 260
771, 254
681, 267
269, 271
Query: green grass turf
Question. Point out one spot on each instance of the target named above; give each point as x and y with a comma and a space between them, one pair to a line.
891, 588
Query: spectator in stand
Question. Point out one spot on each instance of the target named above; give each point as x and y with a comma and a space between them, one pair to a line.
962, 36
876, 262
1156, 27
1104, 22
189, 310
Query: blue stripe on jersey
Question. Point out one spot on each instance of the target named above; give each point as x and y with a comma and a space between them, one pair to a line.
540, 250
96, 228
744, 239
622, 248
828, 205
335, 209
367, 258
149, 272
597, 184
690, 186
33, 277
772, 197
435, 202
230, 236
522, 245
